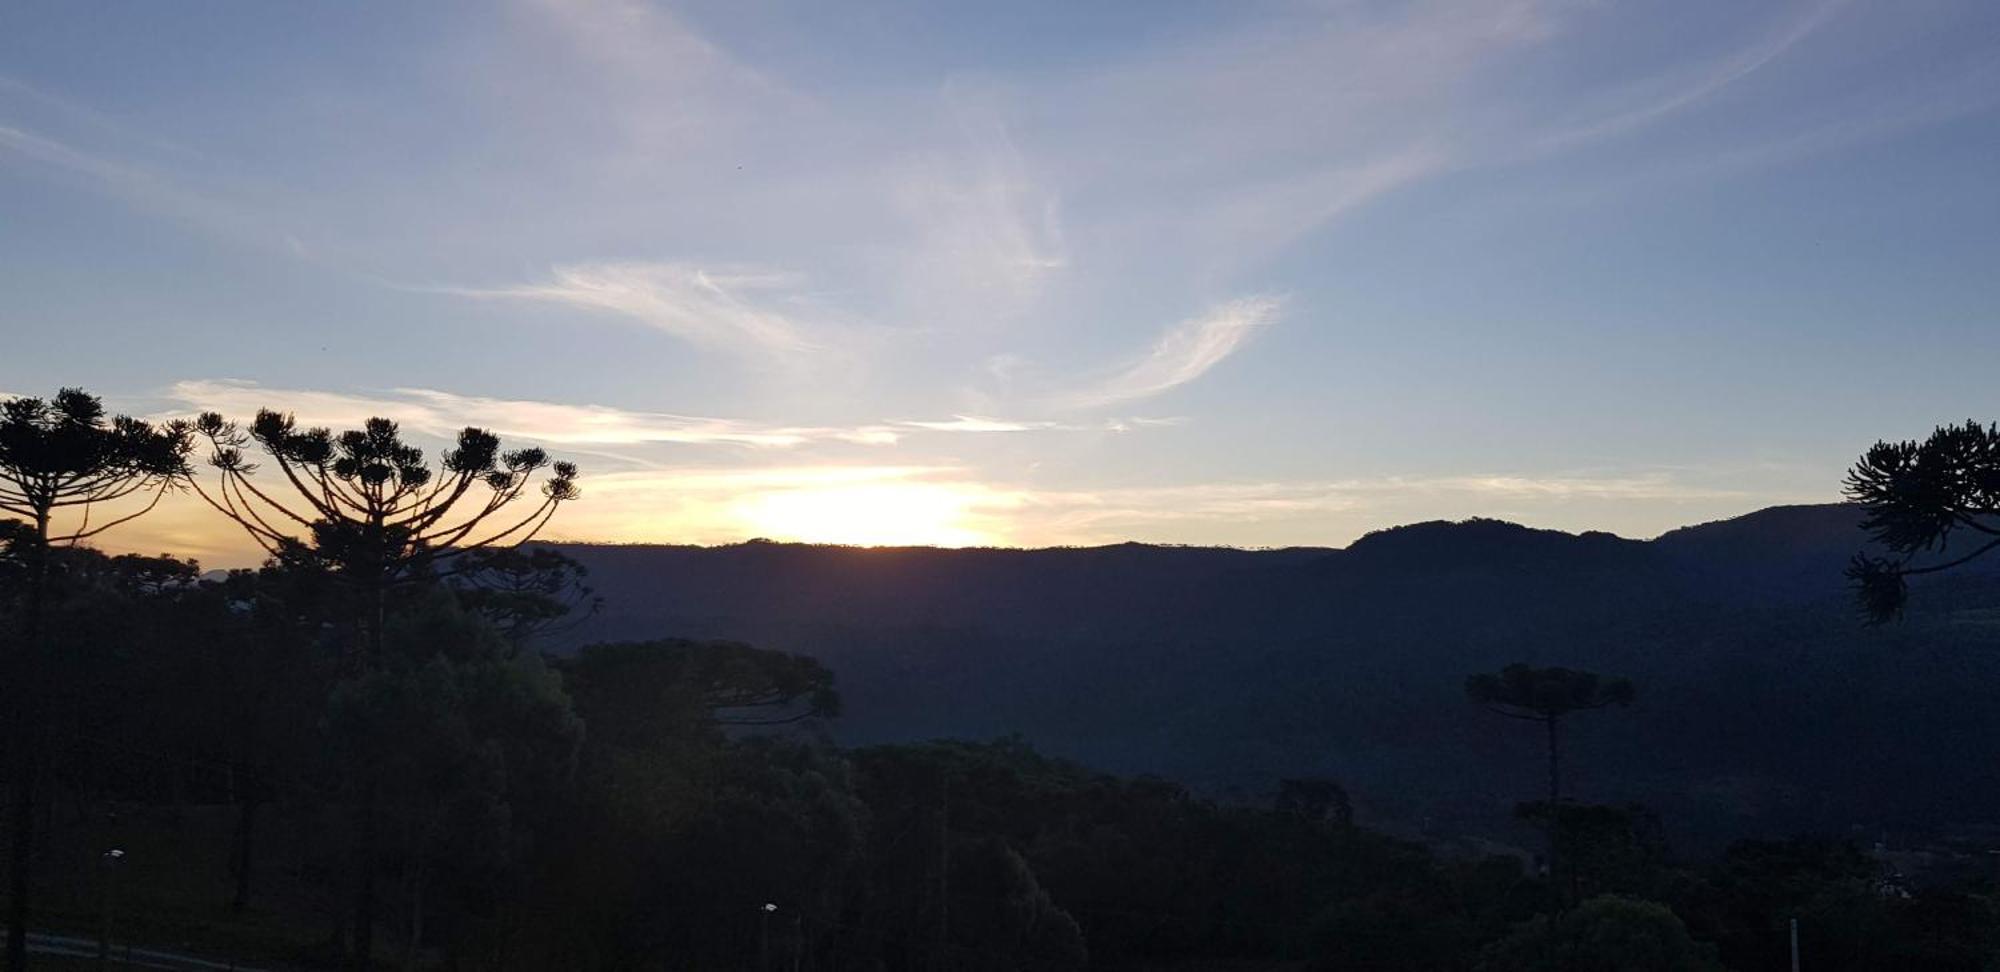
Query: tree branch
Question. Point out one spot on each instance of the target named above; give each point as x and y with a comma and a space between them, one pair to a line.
84, 533
1947, 565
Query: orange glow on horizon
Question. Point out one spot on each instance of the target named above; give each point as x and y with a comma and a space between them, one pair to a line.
870, 514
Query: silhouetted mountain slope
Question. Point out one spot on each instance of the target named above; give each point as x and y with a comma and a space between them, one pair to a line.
1765, 705
1783, 551
1488, 544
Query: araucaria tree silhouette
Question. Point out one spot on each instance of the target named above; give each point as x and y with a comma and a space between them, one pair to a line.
365, 505
1547, 695
1918, 498
368, 507
62, 458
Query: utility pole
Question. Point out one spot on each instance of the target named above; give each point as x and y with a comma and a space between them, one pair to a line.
1795, 945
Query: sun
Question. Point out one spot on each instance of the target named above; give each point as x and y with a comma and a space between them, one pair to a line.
879, 514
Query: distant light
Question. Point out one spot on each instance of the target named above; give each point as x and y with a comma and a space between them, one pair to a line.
769, 906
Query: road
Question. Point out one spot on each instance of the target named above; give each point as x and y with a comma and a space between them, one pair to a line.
40, 943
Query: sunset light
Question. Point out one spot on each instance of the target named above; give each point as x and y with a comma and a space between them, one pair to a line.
915, 486
891, 514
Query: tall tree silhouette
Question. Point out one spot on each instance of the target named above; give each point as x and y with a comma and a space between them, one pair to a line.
62, 457
1918, 498
1547, 695
366, 505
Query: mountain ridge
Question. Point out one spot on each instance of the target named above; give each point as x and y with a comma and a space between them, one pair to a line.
1766, 706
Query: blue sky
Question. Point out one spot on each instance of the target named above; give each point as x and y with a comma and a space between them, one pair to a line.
1032, 273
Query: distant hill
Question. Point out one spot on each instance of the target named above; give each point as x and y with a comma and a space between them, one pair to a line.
1765, 705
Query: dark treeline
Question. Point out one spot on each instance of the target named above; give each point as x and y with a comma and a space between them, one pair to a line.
637, 805
360, 754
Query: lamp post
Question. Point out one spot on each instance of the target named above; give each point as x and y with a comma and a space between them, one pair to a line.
107, 868
764, 936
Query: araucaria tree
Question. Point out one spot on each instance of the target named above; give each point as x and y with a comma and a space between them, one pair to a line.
364, 505
367, 506
1547, 696
62, 459
1919, 498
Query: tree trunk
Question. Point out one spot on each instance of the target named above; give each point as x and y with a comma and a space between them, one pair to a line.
375, 636
364, 882
416, 946
246, 831
21, 856
364, 853
25, 738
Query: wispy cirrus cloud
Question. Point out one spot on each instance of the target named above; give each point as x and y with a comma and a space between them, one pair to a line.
119, 159
137, 184
442, 413
738, 309
52, 152
1681, 92
985, 232
662, 83
980, 424
973, 423
1185, 352
84, 117
1640, 486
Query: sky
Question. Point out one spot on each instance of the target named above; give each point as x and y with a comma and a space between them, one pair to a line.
1259, 273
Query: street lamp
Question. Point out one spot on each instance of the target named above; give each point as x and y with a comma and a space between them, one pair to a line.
764, 936
107, 866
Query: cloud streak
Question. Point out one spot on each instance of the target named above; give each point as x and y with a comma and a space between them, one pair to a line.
986, 235
1706, 84
440, 413
1185, 352
973, 423
726, 308
137, 185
